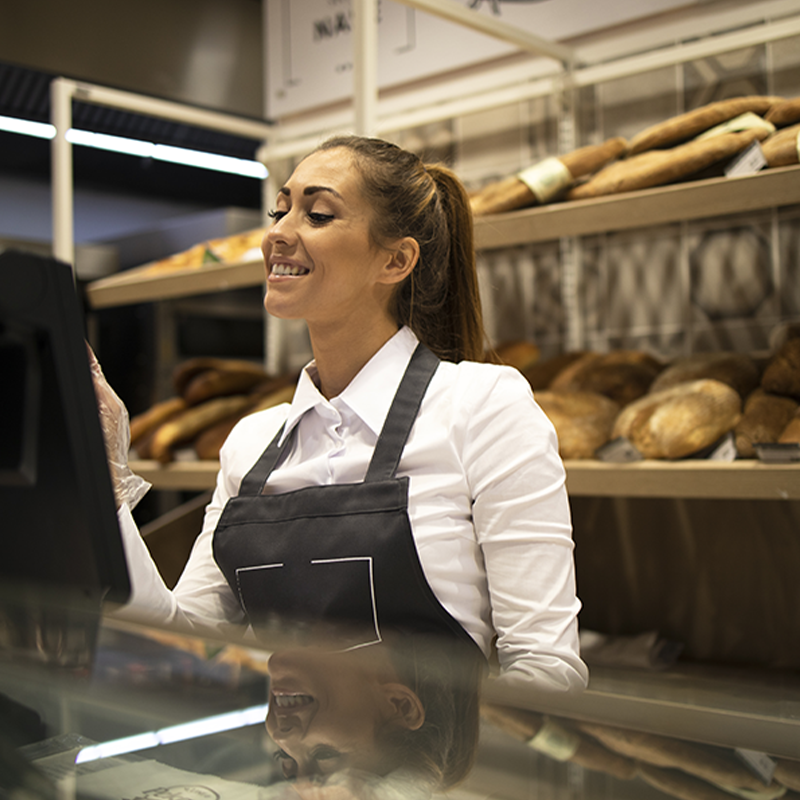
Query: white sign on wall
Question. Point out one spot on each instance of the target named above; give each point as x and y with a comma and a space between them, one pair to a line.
309, 42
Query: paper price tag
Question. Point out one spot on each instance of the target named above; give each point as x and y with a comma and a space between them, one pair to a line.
748, 162
555, 741
760, 763
725, 450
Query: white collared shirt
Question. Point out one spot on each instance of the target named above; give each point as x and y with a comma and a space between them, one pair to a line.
487, 504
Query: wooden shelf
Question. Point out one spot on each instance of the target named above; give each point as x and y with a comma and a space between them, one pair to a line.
683, 201
143, 284
746, 479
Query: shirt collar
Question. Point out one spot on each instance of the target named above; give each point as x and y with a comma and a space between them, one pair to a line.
369, 395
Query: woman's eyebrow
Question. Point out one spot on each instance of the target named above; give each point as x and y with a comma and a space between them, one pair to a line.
309, 190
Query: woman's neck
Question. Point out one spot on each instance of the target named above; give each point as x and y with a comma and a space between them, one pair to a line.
341, 353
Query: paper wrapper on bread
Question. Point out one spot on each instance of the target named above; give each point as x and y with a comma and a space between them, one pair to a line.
738, 370
691, 123
660, 167
676, 422
706, 763
583, 420
782, 373
764, 419
622, 375
546, 180
782, 148
784, 112
550, 737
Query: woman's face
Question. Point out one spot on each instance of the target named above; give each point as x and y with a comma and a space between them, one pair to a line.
321, 263
325, 711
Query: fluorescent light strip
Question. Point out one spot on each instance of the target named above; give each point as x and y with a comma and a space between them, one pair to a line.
255, 715
137, 147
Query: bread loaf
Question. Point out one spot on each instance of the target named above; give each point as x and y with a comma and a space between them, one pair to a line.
764, 419
791, 433
156, 415
685, 126
659, 167
680, 785
541, 374
662, 751
583, 420
782, 373
787, 773
187, 424
781, 148
622, 375
187, 370
544, 180
738, 370
679, 421
518, 354
221, 383
784, 112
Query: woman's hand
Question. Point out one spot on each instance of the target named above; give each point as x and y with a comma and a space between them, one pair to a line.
115, 423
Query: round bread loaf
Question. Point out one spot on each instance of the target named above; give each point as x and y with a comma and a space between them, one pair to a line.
541, 374
764, 419
782, 373
738, 370
583, 420
791, 433
680, 420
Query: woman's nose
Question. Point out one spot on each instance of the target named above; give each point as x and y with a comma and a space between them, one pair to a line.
281, 230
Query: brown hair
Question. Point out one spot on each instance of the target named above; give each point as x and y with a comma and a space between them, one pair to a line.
439, 300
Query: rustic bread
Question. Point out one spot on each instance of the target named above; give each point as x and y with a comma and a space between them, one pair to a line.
221, 383
782, 373
685, 126
659, 167
764, 419
542, 373
738, 370
791, 433
187, 370
545, 180
519, 354
681, 420
583, 420
622, 375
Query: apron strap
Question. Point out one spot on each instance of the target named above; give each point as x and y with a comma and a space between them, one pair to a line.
402, 414
391, 442
253, 483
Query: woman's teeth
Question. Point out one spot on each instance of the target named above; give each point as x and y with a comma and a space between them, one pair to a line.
292, 700
288, 269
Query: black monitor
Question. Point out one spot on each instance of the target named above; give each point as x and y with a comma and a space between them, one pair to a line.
59, 536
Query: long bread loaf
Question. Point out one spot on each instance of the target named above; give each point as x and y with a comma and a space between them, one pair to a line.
156, 415
660, 167
685, 126
782, 148
784, 112
546, 179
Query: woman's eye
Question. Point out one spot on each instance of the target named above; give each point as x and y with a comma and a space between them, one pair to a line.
276, 215
319, 219
326, 754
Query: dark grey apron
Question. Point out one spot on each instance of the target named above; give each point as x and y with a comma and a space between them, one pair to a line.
341, 554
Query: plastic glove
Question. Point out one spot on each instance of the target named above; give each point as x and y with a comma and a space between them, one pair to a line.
114, 420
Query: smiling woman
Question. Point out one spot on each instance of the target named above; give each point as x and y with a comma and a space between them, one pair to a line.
408, 487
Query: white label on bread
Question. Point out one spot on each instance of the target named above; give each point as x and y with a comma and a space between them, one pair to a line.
546, 179
744, 122
555, 741
748, 162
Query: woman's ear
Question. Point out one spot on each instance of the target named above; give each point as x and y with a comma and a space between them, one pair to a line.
404, 257
407, 708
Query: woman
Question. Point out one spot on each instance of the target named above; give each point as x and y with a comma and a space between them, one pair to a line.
407, 485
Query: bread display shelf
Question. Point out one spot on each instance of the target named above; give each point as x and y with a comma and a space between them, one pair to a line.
746, 479
143, 284
683, 201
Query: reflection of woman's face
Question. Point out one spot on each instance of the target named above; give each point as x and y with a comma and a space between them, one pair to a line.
325, 710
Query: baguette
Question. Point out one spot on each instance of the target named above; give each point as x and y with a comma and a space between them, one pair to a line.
545, 180
156, 415
663, 751
679, 785
220, 383
184, 372
684, 126
186, 425
784, 112
783, 147
659, 167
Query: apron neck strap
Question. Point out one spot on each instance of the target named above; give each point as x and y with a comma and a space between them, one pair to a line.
396, 428
402, 414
